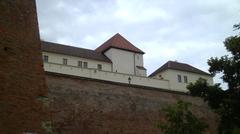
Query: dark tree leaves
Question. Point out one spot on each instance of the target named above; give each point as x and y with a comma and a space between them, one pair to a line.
180, 120
225, 103
214, 95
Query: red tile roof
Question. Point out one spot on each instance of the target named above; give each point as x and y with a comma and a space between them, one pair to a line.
178, 66
119, 42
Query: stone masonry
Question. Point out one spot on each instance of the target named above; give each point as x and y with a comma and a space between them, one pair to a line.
84, 106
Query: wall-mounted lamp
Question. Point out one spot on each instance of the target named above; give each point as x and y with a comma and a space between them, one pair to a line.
129, 80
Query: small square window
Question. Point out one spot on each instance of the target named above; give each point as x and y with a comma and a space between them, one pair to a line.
85, 65
64, 61
160, 77
80, 64
179, 78
45, 58
99, 67
185, 79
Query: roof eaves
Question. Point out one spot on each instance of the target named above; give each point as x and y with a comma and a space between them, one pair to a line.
122, 49
202, 72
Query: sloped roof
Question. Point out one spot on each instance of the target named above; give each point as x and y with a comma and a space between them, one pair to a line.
178, 66
118, 41
73, 51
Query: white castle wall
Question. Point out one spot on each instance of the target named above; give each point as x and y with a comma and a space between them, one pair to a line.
108, 76
172, 75
73, 61
125, 61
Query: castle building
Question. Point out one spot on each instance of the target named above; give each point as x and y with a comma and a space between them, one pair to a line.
117, 60
180, 74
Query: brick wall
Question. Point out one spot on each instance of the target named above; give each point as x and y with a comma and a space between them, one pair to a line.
22, 81
83, 106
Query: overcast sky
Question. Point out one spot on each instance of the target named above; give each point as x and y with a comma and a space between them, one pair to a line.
189, 31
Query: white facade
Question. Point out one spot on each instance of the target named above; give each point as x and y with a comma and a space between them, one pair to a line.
107, 76
55, 64
126, 62
122, 61
73, 61
111, 63
186, 78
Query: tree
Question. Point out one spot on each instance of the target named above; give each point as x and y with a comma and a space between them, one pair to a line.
212, 94
224, 102
180, 120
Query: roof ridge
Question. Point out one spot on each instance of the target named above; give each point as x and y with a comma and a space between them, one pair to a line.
119, 42
179, 66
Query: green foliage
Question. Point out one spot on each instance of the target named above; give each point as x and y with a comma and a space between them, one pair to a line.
236, 131
212, 94
180, 120
225, 103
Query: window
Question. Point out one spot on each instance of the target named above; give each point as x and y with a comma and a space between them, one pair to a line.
99, 66
179, 78
80, 64
45, 58
85, 65
64, 61
160, 77
185, 79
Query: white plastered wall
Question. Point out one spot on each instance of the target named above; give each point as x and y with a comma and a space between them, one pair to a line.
172, 76
125, 61
73, 61
139, 62
106, 75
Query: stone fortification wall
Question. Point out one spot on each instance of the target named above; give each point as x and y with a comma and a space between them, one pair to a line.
88, 106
